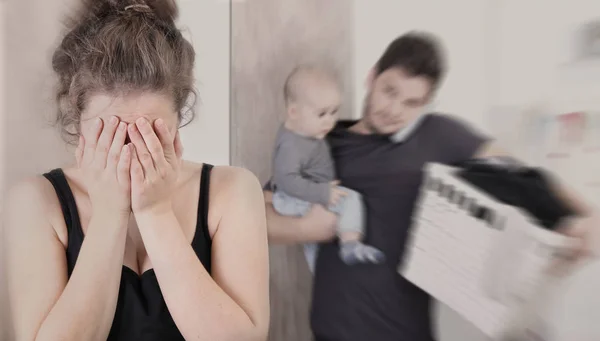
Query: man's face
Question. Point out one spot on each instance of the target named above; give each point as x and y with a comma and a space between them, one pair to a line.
395, 99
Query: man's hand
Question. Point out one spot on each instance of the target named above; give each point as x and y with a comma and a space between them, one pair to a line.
319, 224
587, 230
336, 194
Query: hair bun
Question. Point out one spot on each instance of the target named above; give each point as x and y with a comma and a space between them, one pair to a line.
165, 10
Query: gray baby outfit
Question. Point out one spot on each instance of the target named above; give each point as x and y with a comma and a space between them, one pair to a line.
302, 171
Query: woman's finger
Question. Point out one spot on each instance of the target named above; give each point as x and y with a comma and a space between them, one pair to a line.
114, 154
166, 140
142, 152
136, 170
91, 141
124, 164
105, 141
151, 139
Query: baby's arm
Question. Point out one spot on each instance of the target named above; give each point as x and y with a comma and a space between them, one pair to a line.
288, 177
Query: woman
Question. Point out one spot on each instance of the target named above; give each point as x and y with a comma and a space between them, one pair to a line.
132, 243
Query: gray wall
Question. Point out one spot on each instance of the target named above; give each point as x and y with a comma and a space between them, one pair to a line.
270, 37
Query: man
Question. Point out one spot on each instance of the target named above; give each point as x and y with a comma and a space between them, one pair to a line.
373, 302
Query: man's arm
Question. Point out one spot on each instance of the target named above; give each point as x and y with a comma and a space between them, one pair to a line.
566, 194
317, 225
585, 226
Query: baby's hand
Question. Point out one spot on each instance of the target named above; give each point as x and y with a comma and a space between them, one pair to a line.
336, 193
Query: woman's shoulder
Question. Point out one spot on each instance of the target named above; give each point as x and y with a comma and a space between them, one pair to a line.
32, 199
229, 188
227, 183
34, 192
232, 176
222, 178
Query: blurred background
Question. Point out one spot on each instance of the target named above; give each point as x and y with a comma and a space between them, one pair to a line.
525, 71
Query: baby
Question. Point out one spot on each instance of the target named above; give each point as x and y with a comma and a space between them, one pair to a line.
303, 170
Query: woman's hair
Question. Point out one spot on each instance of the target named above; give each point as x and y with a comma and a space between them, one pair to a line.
118, 46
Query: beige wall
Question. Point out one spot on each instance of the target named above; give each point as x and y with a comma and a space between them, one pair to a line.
269, 38
3, 324
206, 23
30, 146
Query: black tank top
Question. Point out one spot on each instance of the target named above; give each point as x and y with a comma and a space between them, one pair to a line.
141, 312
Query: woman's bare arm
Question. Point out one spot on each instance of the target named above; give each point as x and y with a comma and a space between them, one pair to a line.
232, 302
44, 305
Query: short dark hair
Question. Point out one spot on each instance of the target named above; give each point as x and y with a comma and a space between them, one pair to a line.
418, 54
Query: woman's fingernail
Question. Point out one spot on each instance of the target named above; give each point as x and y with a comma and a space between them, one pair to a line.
141, 121
159, 122
122, 126
98, 121
113, 120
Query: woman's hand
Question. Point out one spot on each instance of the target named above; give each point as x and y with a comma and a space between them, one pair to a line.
154, 167
105, 160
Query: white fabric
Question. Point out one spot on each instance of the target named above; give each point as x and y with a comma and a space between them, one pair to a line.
404, 133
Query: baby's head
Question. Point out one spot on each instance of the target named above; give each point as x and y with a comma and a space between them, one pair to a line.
312, 98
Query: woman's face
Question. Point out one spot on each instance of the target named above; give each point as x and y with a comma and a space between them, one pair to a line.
129, 108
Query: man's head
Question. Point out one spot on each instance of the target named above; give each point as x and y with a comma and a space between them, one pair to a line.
402, 83
312, 98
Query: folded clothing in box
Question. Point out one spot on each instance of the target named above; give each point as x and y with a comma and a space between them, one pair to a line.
513, 184
484, 251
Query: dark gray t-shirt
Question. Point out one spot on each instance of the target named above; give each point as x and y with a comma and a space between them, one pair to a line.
373, 302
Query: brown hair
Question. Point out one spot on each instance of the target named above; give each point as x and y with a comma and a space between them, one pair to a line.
118, 46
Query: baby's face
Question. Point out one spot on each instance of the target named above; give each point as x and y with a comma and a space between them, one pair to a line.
318, 111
